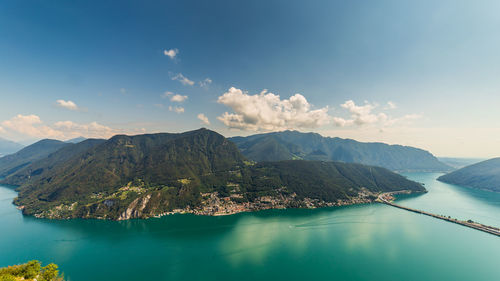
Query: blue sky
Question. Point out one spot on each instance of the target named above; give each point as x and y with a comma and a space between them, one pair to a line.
421, 73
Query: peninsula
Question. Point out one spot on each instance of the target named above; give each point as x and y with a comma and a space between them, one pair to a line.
198, 172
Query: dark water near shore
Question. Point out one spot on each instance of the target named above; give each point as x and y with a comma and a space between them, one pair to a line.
369, 242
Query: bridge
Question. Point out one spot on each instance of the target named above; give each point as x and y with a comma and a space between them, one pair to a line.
388, 198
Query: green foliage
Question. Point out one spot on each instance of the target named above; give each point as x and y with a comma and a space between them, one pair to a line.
483, 175
11, 163
7, 277
50, 272
293, 145
153, 174
30, 271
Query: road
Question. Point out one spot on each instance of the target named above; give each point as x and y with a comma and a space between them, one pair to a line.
387, 198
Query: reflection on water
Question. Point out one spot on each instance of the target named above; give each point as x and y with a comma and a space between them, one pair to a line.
348, 243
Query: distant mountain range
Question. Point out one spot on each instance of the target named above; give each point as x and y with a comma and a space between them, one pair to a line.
483, 175
76, 140
8, 147
199, 172
459, 163
289, 145
39, 150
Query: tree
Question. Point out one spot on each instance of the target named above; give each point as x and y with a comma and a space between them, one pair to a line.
31, 269
50, 272
7, 277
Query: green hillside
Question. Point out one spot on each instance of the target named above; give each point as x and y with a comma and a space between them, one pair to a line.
289, 145
483, 175
33, 170
147, 175
39, 150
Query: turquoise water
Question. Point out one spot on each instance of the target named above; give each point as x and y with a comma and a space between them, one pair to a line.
369, 242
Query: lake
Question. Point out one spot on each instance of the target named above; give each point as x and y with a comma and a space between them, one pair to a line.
365, 242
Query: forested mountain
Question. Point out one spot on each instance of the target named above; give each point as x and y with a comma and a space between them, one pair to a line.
8, 147
198, 171
311, 146
39, 150
36, 168
483, 175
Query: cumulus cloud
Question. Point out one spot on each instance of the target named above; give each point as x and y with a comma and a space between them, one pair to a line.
31, 126
167, 94
365, 115
172, 53
176, 109
90, 130
203, 119
67, 104
268, 112
360, 115
183, 79
205, 82
391, 105
178, 98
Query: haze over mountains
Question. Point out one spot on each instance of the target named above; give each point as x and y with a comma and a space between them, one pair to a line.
289, 145
483, 175
8, 147
39, 150
148, 175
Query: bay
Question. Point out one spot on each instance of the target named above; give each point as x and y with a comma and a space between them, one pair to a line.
365, 242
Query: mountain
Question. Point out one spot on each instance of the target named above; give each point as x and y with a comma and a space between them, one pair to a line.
8, 147
76, 140
289, 145
32, 170
459, 163
483, 175
39, 150
199, 172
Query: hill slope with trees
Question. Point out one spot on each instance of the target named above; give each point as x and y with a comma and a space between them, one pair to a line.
200, 172
483, 175
289, 145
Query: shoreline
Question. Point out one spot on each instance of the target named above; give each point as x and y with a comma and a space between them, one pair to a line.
214, 205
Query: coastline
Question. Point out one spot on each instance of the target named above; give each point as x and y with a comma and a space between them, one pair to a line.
213, 204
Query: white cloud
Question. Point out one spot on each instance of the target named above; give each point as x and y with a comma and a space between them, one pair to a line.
183, 79
204, 119
30, 125
178, 98
267, 112
2, 130
205, 82
391, 105
24, 127
176, 109
91, 130
167, 94
67, 104
172, 53
364, 115
360, 115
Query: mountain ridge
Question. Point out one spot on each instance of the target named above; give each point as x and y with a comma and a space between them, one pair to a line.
313, 146
483, 175
199, 172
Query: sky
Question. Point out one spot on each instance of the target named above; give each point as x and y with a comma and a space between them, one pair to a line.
418, 73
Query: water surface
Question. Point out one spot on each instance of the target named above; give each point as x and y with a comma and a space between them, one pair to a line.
368, 242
